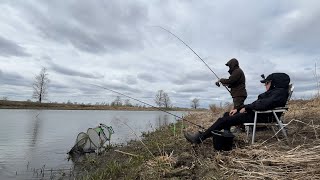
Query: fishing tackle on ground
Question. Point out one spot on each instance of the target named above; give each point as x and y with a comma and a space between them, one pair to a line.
94, 140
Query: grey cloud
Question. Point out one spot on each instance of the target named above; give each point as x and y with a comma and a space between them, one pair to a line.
14, 79
265, 36
199, 76
308, 69
147, 95
70, 72
91, 26
300, 27
253, 26
86, 90
301, 78
181, 80
146, 77
9, 48
191, 89
57, 86
183, 95
74, 89
121, 88
305, 87
306, 90
241, 29
131, 80
254, 66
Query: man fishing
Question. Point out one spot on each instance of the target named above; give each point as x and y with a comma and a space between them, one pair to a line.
237, 83
276, 95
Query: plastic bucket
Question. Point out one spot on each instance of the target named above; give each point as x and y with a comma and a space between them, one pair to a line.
222, 140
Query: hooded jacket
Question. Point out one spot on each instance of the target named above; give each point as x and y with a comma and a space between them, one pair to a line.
276, 96
273, 98
237, 80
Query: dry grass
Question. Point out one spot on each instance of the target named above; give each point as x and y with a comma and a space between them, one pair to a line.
162, 163
272, 159
165, 154
266, 162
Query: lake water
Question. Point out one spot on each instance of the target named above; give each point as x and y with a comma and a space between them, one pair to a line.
37, 138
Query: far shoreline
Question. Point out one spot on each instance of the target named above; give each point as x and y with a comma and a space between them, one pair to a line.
5, 104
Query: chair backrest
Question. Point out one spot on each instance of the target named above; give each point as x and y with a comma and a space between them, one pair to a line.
290, 91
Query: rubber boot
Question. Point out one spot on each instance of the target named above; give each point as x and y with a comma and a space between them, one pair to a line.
194, 138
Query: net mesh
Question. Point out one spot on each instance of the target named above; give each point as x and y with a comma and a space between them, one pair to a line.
93, 140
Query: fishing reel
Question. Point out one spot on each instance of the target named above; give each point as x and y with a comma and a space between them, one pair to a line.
217, 83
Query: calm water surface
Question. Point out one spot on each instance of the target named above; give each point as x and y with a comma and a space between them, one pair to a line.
43, 137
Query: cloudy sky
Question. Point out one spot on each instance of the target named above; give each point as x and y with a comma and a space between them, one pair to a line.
117, 44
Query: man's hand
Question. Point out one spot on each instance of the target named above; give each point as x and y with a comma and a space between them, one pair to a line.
243, 110
232, 112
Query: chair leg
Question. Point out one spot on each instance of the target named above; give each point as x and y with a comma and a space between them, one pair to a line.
254, 127
275, 132
247, 131
281, 127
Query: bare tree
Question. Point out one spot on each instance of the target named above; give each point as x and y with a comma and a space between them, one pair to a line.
127, 103
117, 101
162, 99
166, 100
159, 98
195, 103
40, 85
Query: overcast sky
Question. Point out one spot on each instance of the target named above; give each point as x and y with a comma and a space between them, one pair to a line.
116, 44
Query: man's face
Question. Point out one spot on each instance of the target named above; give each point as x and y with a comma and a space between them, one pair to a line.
267, 84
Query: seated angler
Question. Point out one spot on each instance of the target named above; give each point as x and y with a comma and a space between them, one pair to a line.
276, 95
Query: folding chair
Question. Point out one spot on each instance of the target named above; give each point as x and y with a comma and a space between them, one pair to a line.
279, 122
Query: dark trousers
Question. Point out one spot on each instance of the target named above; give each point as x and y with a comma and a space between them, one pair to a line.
227, 121
238, 102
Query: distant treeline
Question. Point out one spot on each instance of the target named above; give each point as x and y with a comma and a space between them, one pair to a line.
6, 104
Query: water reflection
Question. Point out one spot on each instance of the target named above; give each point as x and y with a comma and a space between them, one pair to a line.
163, 120
35, 126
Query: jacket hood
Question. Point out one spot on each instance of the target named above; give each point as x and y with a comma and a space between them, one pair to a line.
233, 64
278, 80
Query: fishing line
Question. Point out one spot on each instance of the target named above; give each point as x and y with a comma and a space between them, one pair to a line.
149, 105
193, 52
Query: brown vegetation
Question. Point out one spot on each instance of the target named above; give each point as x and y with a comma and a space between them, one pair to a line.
167, 155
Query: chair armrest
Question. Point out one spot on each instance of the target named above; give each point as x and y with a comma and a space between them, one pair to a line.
264, 124
278, 109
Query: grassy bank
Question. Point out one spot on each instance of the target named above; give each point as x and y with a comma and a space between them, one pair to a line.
165, 154
161, 154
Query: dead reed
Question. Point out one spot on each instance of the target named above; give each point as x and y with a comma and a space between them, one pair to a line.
270, 158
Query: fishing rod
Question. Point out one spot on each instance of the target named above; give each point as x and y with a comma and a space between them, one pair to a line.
193, 52
149, 105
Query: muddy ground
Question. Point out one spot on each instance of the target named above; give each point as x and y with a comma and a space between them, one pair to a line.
165, 154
